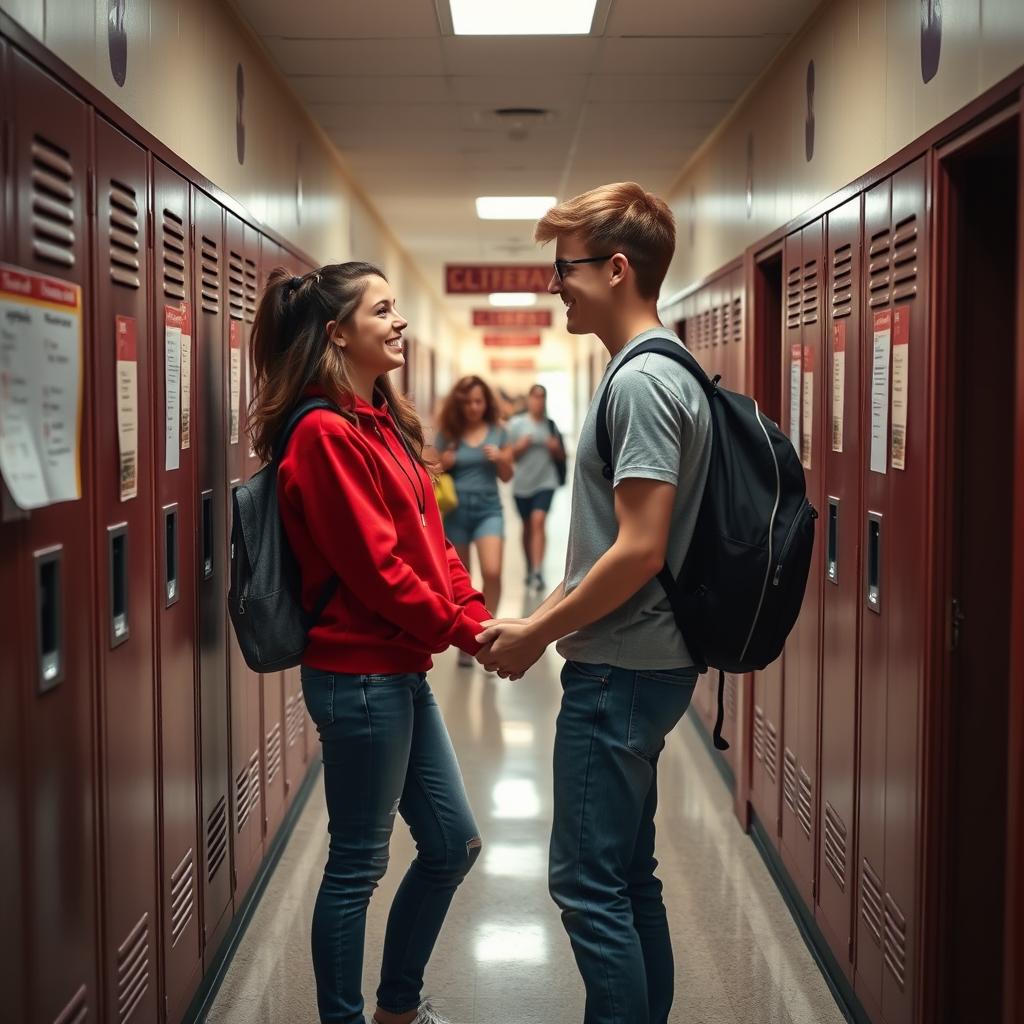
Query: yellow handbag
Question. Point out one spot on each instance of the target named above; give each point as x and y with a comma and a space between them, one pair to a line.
444, 492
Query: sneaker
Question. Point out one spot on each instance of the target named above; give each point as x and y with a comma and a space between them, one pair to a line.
466, 660
428, 1015
538, 583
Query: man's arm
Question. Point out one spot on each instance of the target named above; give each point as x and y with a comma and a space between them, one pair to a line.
549, 602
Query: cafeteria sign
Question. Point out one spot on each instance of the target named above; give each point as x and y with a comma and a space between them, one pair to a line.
483, 278
511, 317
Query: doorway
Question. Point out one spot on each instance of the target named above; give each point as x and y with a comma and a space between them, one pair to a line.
978, 210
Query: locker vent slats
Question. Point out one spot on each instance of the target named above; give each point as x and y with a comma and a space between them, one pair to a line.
878, 269
730, 698
293, 718
77, 1011
53, 199
789, 779
273, 752
125, 233
771, 750
793, 297
842, 282
211, 276
871, 901
251, 291
133, 969
895, 945
247, 790
804, 802
904, 260
182, 896
173, 245
809, 304
718, 325
758, 733
835, 845
737, 319
216, 838
236, 286
726, 324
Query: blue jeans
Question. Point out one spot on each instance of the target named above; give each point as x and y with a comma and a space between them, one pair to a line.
385, 749
610, 731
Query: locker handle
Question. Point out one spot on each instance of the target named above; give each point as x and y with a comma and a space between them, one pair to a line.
207, 516
832, 564
49, 621
170, 555
117, 563
874, 563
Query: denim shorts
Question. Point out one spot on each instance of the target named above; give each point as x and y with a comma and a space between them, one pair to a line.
477, 515
539, 502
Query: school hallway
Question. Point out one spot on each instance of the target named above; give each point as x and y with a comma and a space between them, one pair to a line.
503, 955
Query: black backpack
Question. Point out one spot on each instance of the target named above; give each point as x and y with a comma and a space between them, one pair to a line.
264, 597
560, 467
742, 582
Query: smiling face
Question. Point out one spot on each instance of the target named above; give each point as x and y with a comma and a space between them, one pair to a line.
474, 406
586, 288
371, 337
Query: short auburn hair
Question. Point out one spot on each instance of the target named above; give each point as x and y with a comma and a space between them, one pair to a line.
623, 217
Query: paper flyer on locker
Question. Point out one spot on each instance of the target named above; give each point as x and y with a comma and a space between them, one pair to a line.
40, 387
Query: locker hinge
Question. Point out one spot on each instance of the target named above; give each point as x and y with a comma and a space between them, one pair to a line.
956, 619
814, 890
849, 948
90, 197
150, 229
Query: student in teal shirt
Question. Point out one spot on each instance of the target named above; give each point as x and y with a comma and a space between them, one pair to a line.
474, 450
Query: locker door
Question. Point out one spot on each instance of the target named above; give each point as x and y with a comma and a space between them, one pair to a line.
211, 571
246, 772
894, 625
52, 563
13, 668
124, 540
262, 256
176, 581
840, 525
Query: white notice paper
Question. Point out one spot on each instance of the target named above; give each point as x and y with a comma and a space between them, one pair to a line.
40, 387
794, 397
880, 391
236, 379
186, 377
808, 439
900, 384
172, 388
838, 383
128, 406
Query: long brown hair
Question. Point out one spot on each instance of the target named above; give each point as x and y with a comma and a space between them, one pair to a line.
290, 351
452, 420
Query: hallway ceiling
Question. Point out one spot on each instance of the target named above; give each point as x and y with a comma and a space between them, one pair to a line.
412, 107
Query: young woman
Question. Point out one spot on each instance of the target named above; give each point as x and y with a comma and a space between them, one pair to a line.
537, 450
474, 451
357, 505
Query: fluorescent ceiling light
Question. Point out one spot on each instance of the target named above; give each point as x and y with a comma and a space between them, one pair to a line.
513, 207
512, 299
522, 17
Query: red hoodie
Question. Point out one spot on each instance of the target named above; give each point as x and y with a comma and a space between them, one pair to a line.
350, 497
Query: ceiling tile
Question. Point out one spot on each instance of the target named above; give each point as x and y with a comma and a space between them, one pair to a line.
343, 19
717, 18
519, 56
381, 57
314, 89
652, 88
736, 55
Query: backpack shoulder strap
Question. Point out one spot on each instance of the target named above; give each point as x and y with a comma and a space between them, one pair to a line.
306, 406
663, 346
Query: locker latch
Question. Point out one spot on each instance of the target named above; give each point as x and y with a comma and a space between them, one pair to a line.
956, 618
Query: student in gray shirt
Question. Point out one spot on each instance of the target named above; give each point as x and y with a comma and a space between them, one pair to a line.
536, 446
628, 678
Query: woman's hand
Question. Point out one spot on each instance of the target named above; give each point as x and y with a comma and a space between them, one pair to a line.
447, 459
492, 452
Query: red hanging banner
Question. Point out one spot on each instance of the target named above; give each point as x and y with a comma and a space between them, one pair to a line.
511, 317
511, 340
482, 278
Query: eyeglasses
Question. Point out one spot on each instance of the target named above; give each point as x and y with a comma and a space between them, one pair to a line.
562, 265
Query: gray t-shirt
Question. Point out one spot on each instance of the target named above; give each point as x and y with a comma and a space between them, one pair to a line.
535, 468
660, 426
473, 472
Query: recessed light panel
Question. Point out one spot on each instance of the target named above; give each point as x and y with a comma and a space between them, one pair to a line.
513, 207
522, 17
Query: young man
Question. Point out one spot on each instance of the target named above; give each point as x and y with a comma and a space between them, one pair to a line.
628, 676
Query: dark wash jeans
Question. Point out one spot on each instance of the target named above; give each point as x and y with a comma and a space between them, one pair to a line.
610, 731
385, 749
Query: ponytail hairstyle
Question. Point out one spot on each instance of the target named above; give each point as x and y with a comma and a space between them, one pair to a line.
290, 350
452, 420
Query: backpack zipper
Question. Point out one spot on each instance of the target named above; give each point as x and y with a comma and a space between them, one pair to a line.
786, 543
771, 531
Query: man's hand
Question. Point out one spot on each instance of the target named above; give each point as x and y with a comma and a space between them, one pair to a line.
512, 646
554, 447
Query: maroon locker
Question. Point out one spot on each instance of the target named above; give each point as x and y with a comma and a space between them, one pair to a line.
840, 528
175, 595
14, 664
262, 255
211, 572
893, 589
52, 565
124, 540
246, 747
801, 669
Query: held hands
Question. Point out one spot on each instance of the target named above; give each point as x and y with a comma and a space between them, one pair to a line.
511, 646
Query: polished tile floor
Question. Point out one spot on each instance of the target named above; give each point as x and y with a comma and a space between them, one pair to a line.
503, 956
